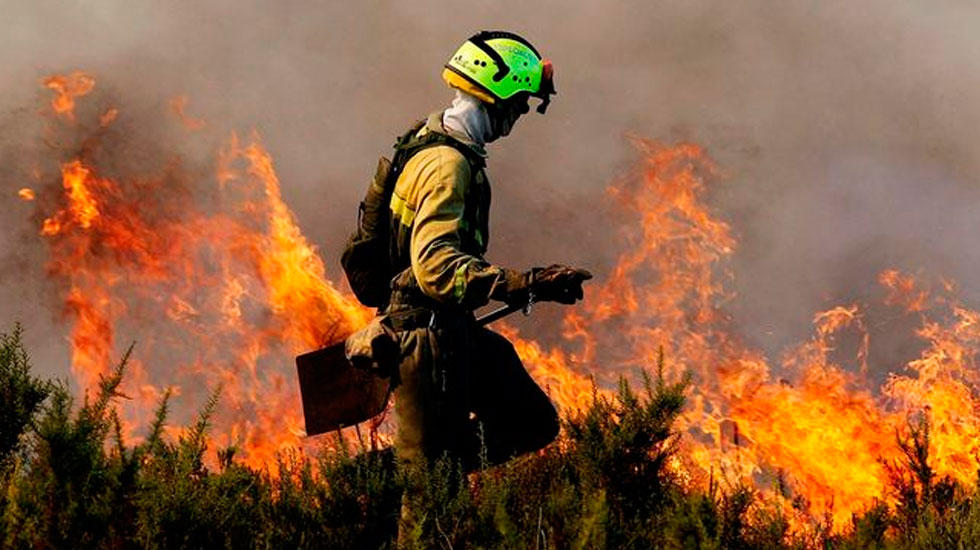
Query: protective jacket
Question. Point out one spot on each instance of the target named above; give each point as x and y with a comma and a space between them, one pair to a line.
440, 228
449, 367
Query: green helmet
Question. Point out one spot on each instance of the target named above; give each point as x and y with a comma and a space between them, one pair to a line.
497, 65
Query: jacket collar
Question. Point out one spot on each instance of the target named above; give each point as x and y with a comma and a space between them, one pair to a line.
434, 124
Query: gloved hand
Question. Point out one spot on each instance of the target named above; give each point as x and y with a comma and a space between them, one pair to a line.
557, 283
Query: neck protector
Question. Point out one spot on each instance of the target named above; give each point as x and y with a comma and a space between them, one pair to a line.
468, 119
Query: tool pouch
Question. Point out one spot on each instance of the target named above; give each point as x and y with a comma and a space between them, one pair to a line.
374, 347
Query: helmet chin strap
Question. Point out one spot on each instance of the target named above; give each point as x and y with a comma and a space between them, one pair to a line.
543, 106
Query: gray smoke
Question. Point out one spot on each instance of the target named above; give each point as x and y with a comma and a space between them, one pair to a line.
847, 130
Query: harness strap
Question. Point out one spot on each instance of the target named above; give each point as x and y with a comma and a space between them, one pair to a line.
411, 143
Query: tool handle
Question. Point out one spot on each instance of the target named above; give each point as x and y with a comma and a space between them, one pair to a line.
498, 313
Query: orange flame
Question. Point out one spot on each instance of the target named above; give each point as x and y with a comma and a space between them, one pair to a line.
270, 291
179, 107
226, 293
67, 89
802, 427
26, 194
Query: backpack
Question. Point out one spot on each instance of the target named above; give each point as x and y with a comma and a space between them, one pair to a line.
366, 258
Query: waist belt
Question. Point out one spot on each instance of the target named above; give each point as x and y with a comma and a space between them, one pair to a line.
411, 319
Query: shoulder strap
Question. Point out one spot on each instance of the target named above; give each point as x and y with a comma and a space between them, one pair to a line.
410, 143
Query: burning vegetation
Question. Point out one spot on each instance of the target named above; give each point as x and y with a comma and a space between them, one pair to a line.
210, 273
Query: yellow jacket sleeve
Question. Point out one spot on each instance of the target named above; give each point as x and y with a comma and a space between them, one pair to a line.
438, 179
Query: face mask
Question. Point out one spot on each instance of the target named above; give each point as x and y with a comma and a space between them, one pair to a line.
504, 115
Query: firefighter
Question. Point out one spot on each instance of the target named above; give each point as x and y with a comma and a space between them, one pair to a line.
461, 391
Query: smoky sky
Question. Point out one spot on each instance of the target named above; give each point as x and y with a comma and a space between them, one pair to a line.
846, 131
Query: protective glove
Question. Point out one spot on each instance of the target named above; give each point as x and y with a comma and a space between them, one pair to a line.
558, 283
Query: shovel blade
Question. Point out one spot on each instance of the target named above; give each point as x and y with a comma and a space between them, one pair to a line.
335, 393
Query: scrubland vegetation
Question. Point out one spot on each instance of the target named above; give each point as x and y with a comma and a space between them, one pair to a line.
68, 479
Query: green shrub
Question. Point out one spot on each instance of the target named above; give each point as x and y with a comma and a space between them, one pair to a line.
69, 480
20, 393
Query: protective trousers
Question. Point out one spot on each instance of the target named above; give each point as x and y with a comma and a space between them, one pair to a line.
463, 393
